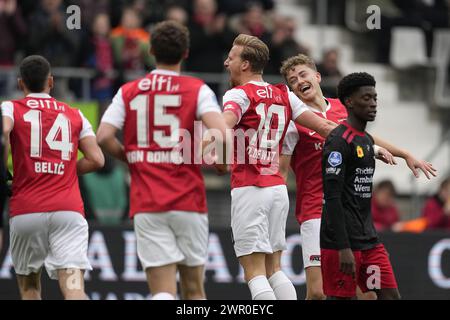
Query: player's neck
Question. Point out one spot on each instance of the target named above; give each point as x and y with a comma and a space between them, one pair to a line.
251, 77
318, 103
27, 92
356, 123
169, 67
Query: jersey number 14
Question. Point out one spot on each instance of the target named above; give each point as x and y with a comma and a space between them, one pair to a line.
60, 126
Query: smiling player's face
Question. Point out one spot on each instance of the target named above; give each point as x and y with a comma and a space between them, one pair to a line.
233, 64
364, 103
304, 82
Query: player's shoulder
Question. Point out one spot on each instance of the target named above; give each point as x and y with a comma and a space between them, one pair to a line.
139, 84
191, 80
338, 134
336, 105
236, 92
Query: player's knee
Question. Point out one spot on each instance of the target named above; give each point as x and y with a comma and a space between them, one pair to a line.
392, 295
30, 294
193, 290
316, 294
75, 295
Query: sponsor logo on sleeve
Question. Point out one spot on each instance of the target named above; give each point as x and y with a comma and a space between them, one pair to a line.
335, 158
359, 152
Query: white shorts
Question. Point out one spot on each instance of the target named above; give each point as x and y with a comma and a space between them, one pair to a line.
258, 219
58, 240
171, 237
310, 239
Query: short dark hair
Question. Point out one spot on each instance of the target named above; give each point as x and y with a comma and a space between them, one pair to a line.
352, 82
34, 71
169, 41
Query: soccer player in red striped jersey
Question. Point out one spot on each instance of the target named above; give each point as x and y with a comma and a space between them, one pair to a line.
302, 150
157, 114
259, 114
47, 224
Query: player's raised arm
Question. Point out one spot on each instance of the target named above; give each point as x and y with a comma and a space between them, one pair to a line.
308, 119
290, 141
414, 164
93, 156
8, 125
112, 121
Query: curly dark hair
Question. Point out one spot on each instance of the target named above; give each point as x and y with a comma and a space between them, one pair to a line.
352, 82
169, 42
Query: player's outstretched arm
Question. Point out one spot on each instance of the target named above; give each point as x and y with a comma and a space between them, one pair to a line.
384, 155
216, 121
312, 121
93, 156
414, 164
8, 125
106, 138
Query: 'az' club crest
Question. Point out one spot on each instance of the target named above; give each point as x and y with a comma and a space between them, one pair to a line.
335, 158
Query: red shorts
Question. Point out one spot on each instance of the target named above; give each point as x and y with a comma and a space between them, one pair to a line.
373, 272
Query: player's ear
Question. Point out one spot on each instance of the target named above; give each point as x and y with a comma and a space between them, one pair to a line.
245, 65
318, 77
348, 102
50, 82
20, 84
186, 54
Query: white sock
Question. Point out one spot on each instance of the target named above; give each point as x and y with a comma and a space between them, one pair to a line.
163, 296
260, 289
282, 286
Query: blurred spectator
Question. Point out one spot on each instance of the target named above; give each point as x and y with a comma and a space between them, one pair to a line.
12, 29
437, 208
329, 70
283, 43
91, 9
254, 22
131, 43
49, 35
177, 13
97, 54
384, 210
210, 39
238, 6
425, 14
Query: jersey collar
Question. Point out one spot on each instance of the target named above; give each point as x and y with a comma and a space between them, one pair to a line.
165, 72
357, 132
324, 113
259, 83
39, 95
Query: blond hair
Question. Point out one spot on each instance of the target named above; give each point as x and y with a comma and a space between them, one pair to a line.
254, 51
294, 61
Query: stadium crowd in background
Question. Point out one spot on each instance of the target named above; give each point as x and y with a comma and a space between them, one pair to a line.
437, 208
